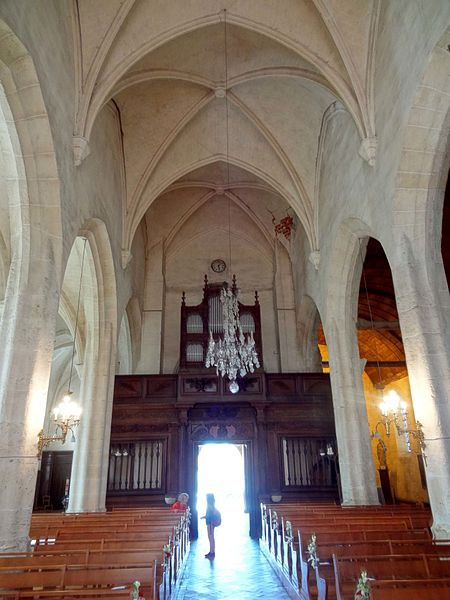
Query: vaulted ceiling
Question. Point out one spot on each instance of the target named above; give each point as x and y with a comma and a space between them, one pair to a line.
183, 73
232, 103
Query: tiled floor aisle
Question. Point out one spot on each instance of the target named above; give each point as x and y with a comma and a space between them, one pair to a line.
239, 571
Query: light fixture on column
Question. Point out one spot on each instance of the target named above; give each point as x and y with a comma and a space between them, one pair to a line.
66, 415
233, 353
393, 409
394, 412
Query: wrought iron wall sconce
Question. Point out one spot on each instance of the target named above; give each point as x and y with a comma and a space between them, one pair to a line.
66, 417
394, 413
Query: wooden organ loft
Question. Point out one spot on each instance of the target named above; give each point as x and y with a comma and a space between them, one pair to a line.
284, 421
198, 321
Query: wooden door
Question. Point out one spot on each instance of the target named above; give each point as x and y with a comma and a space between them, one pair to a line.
53, 480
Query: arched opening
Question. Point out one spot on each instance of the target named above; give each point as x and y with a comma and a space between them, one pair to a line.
221, 471
397, 454
75, 338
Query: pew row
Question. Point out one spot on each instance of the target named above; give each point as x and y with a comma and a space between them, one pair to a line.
78, 556
390, 538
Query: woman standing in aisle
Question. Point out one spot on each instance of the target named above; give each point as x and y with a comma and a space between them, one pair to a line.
213, 520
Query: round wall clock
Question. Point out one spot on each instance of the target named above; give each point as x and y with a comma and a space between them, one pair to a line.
218, 265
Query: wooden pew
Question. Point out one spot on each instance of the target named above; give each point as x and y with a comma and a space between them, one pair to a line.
410, 589
370, 531
87, 594
62, 577
388, 568
89, 549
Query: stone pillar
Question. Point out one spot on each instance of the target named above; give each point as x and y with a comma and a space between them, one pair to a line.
261, 449
152, 317
91, 457
424, 314
27, 332
356, 466
183, 450
285, 309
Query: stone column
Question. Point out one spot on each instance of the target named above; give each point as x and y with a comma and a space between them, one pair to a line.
91, 457
261, 449
152, 317
356, 466
27, 332
424, 314
290, 359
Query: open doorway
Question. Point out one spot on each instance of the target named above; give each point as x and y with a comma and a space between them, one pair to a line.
221, 471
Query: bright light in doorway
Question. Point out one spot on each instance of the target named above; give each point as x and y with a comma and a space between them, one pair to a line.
221, 472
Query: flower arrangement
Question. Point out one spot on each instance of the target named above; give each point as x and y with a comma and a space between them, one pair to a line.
362, 588
167, 549
176, 535
274, 519
311, 551
288, 534
135, 595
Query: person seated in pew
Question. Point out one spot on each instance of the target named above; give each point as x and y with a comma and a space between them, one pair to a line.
181, 503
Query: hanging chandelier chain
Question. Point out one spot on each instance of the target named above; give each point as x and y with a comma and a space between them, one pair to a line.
77, 315
227, 135
234, 353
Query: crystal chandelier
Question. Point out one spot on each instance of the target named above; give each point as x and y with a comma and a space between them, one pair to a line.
234, 352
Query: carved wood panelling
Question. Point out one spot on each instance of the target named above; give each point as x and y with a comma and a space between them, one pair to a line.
231, 432
221, 412
193, 408
128, 387
161, 387
200, 385
281, 386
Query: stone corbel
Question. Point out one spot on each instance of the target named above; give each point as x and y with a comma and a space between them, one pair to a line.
80, 149
368, 150
314, 258
126, 257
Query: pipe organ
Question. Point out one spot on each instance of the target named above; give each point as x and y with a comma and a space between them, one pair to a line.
197, 321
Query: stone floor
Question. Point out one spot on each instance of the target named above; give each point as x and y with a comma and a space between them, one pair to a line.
239, 572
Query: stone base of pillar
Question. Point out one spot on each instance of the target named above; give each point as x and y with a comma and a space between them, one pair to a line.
365, 498
17, 488
350, 503
16, 545
70, 511
441, 531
